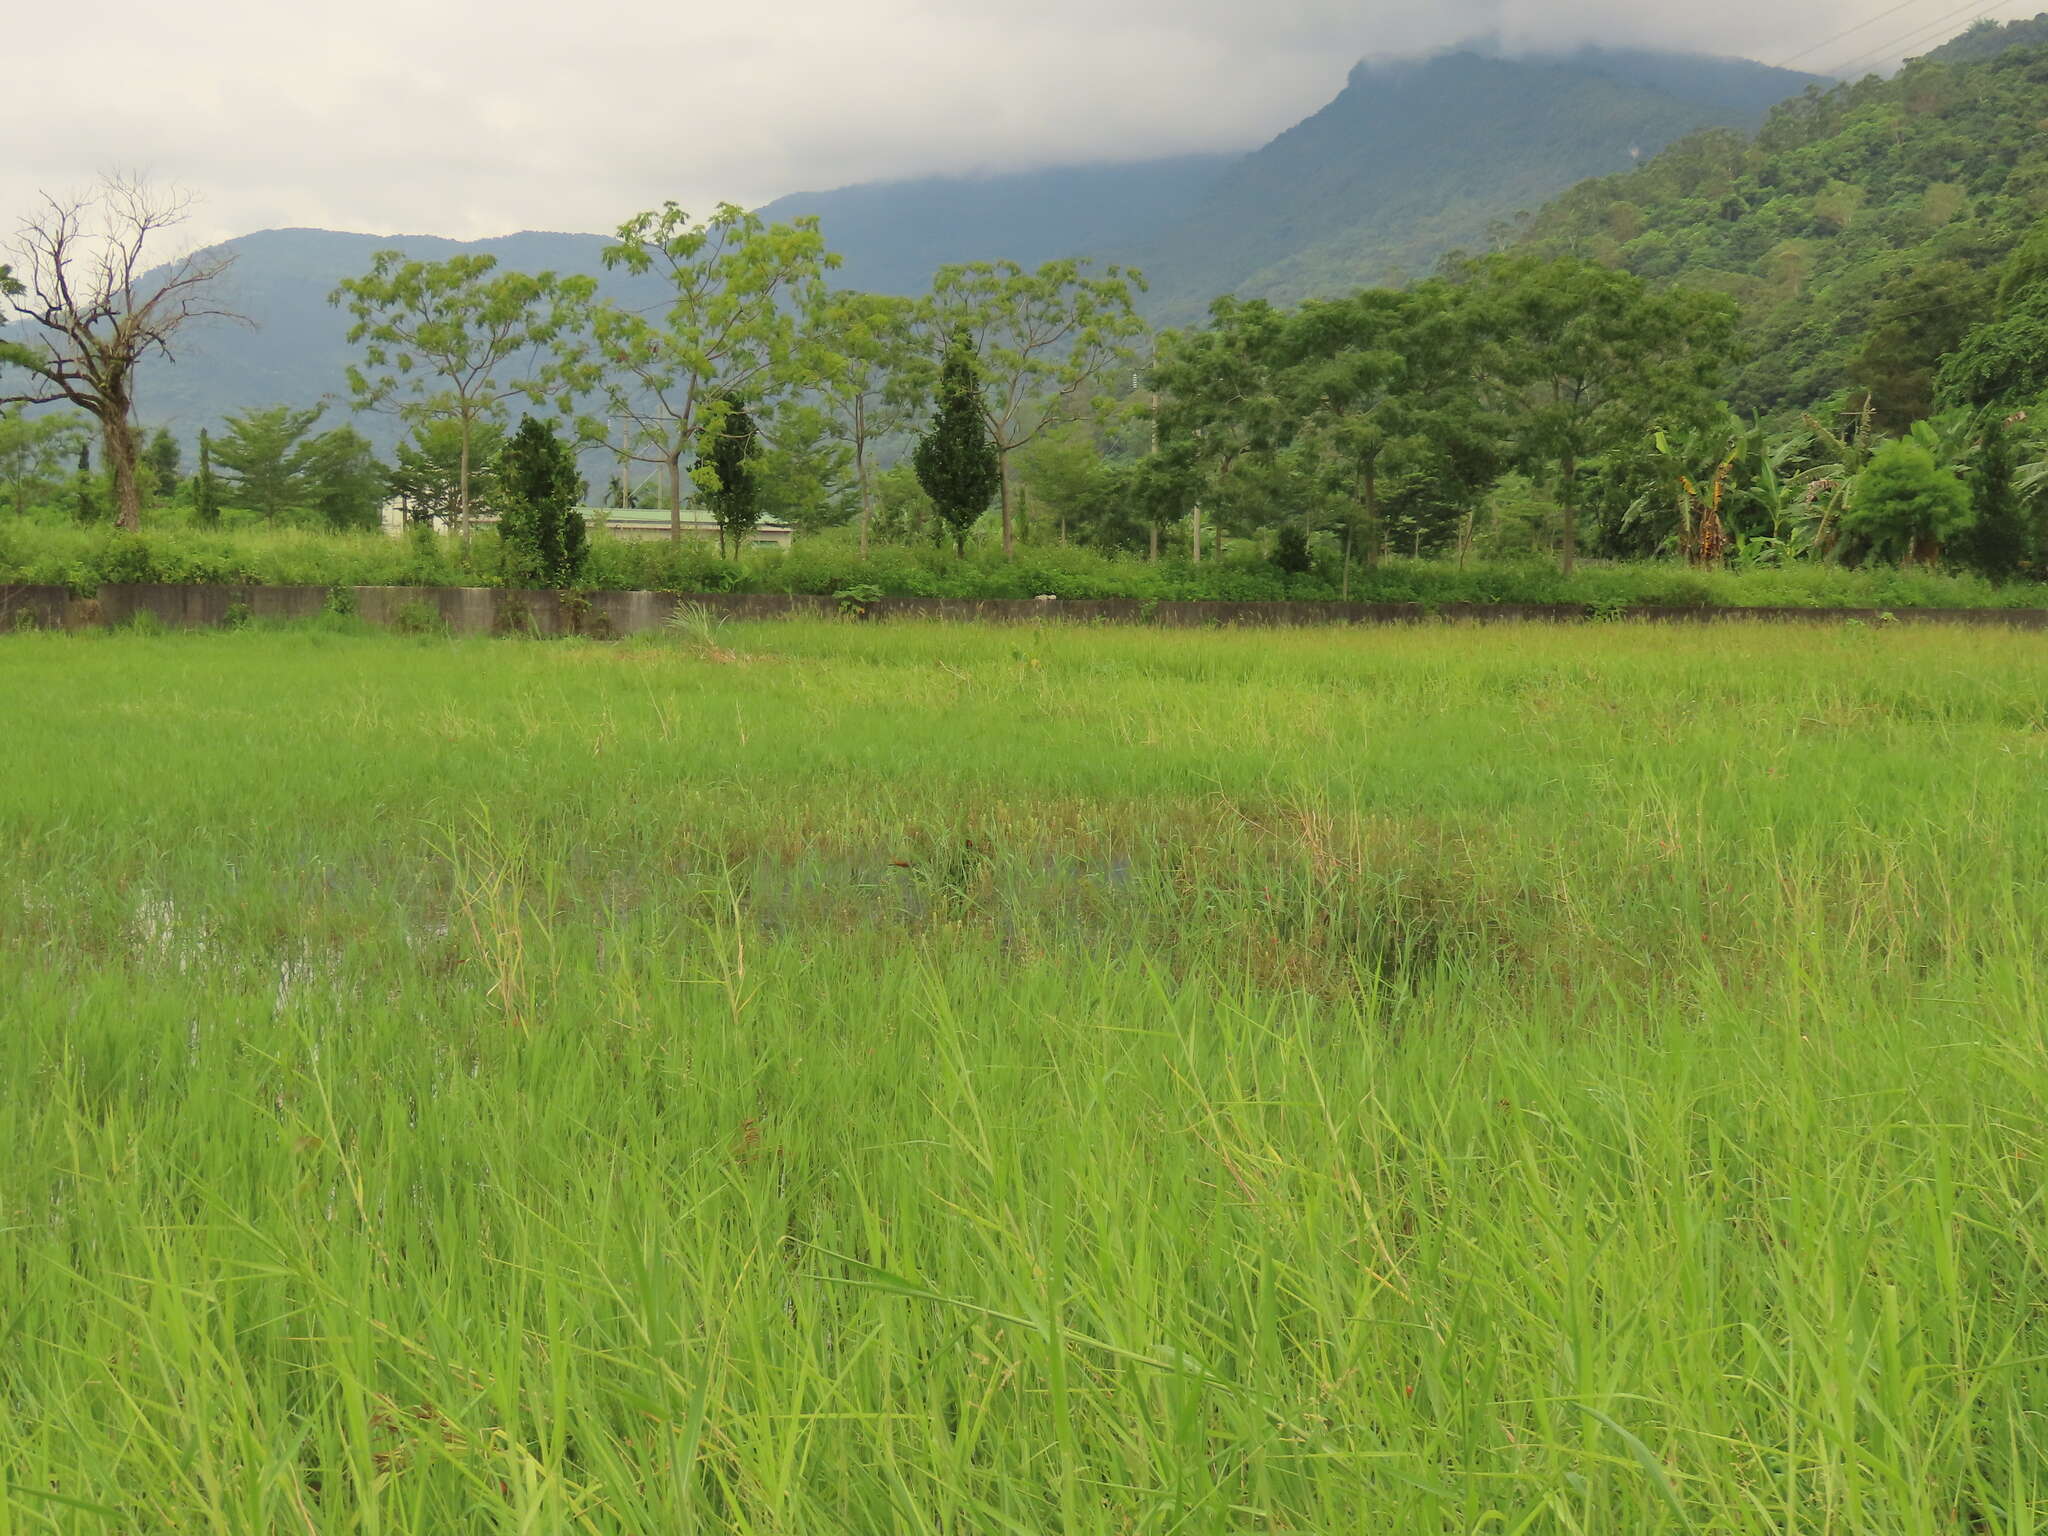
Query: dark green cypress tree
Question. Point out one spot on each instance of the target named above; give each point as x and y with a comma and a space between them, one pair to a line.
1999, 543
543, 531
956, 460
727, 447
205, 497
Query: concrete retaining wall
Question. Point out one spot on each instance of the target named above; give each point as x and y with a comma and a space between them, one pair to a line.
609, 615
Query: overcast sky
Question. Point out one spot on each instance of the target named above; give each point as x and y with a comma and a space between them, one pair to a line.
477, 117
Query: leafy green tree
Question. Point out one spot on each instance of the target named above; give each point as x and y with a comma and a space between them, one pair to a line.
741, 294
1579, 359
433, 461
205, 489
454, 341
32, 454
2004, 360
545, 536
903, 512
160, 458
805, 475
957, 460
1291, 553
1926, 313
266, 459
345, 482
727, 446
1046, 343
871, 378
94, 305
1218, 401
1905, 506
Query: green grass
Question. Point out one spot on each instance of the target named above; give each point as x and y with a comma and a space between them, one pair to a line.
831, 1078
82, 558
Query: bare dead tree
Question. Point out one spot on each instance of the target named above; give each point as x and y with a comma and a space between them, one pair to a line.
95, 311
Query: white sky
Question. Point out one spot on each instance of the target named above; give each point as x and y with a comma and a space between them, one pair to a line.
480, 117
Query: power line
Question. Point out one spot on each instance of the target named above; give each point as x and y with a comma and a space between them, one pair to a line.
1851, 32
1900, 47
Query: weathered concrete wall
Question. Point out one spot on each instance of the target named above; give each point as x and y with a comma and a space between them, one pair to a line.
202, 607
610, 615
35, 608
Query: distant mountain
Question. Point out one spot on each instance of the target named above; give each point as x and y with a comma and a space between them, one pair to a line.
1414, 160
1410, 161
295, 351
895, 234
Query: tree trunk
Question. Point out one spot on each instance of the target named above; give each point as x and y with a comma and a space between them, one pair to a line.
1009, 543
120, 454
1152, 553
462, 487
860, 470
1197, 533
1372, 517
1567, 519
675, 502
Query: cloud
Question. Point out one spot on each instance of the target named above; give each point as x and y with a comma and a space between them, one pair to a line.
476, 117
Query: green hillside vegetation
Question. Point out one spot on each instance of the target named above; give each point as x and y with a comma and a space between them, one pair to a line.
1988, 38
1414, 160
1861, 230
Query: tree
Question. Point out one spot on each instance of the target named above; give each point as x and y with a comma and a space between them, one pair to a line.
453, 341
427, 480
871, 378
545, 537
1045, 344
1290, 552
1999, 541
344, 482
161, 457
205, 492
1905, 506
32, 454
734, 324
1578, 359
1926, 314
86, 500
804, 476
96, 311
957, 460
727, 446
266, 458
1218, 400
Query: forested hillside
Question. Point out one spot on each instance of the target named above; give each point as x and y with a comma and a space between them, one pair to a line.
1861, 230
1414, 160
895, 234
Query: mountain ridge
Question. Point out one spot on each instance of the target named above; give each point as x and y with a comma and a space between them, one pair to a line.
1410, 160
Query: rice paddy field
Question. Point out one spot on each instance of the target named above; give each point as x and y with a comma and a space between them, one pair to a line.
819, 1078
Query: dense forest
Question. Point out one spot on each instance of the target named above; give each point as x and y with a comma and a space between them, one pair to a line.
1861, 231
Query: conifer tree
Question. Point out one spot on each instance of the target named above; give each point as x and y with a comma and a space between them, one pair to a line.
205, 497
956, 459
542, 528
727, 446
